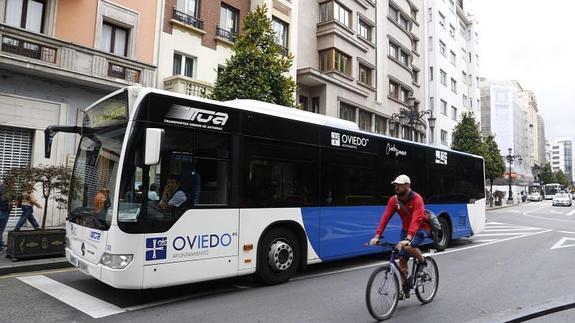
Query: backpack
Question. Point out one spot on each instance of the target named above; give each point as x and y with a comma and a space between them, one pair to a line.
428, 216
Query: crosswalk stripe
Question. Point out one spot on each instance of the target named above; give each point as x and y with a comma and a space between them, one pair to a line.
90, 305
507, 230
484, 240
571, 212
501, 234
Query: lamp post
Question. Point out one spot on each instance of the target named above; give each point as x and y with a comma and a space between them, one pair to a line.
411, 118
510, 158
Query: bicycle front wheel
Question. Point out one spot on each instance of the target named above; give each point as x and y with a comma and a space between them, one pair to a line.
426, 285
382, 294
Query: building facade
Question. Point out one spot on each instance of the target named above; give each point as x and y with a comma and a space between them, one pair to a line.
541, 146
198, 36
505, 116
560, 152
452, 65
58, 57
529, 100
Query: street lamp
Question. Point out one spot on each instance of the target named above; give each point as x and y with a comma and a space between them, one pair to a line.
510, 158
411, 119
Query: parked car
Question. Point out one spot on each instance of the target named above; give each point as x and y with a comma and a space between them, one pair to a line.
562, 199
535, 196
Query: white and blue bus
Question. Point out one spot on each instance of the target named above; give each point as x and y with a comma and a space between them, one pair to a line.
268, 189
551, 189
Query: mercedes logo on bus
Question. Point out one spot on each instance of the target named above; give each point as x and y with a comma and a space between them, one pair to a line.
83, 249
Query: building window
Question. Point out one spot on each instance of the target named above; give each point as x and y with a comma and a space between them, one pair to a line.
431, 103
453, 86
431, 73
441, 19
464, 77
303, 101
430, 11
393, 50
342, 63
451, 31
414, 45
346, 112
404, 58
465, 101
315, 104
430, 43
444, 107
333, 59
281, 32
393, 90
27, 14
404, 95
189, 7
442, 48
416, 76
184, 65
229, 20
114, 39
364, 120
454, 113
452, 57
364, 30
365, 75
462, 30
380, 125
414, 14
443, 77
398, 17
444, 137
342, 14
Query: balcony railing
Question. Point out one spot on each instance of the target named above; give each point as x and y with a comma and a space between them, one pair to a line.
195, 22
185, 85
48, 55
28, 49
226, 34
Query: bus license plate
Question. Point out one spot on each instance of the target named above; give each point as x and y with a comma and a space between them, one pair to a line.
79, 264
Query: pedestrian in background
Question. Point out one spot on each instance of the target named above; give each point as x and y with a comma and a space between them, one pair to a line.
5, 208
28, 203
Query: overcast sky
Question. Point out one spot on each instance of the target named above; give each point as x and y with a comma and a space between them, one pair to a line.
532, 42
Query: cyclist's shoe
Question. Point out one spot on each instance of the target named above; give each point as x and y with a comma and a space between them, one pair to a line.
403, 295
421, 268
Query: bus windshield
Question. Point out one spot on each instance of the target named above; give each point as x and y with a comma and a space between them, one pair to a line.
97, 160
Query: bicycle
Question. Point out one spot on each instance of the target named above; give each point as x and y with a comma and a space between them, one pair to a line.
384, 286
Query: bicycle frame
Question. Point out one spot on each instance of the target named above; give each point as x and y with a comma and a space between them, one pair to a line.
395, 267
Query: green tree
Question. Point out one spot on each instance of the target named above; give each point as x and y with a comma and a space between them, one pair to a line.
547, 175
494, 163
53, 181
257, 70
467, 137
562, 179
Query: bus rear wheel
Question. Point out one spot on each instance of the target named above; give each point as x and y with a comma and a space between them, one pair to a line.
441, 239
278, 256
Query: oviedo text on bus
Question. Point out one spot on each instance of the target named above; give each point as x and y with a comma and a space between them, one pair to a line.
170, 189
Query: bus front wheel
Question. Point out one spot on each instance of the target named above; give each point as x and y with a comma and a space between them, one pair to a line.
278, 256
441, 239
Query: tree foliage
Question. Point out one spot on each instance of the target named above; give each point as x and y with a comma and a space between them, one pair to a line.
562, 178
467, 137
547, 175
53, 181
494, 163
257, 70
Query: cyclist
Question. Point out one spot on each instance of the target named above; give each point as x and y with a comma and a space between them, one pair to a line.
414, 228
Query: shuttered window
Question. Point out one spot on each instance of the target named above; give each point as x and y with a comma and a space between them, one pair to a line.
15, 151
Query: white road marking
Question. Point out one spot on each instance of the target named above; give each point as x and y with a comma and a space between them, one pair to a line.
556, 212
484, 240
568, 232
571, 212
425, 254
561, 243
498, 234
512, 229
90, 305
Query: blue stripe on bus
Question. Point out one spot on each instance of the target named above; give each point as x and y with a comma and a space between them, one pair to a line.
341, 232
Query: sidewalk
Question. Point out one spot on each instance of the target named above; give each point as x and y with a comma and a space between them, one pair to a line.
7, 266
515, 203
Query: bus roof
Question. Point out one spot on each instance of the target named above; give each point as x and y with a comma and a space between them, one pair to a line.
283, 112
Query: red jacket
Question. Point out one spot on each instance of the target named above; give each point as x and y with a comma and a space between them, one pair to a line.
412, 221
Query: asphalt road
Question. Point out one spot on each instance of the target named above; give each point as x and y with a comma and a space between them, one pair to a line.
521, 264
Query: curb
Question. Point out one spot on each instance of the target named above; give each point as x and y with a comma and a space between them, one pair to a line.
23, 266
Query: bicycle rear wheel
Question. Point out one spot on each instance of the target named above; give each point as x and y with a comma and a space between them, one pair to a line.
382, 293
426, 286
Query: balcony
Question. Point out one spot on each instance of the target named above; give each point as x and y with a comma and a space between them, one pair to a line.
53, 58
192, 23
226, 35
185, 85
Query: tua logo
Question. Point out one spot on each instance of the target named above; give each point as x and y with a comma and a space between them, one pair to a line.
156, 248
198, 115
441, 157
335, 139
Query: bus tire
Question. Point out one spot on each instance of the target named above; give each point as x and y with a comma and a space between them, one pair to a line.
278, 256
442, 238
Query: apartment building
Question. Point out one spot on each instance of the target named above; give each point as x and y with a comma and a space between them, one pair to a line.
452, 65
560, 151
505, 116
198, 36
529, 100
58, 57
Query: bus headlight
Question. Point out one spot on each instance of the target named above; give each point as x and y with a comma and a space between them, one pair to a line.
116, 261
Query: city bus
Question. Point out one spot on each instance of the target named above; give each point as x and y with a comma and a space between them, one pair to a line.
551, 190
263, 189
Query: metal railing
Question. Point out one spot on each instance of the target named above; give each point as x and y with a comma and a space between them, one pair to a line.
28, 49
195, 22
226, 34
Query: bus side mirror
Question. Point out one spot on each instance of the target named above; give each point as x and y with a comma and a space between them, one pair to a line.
154, 138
